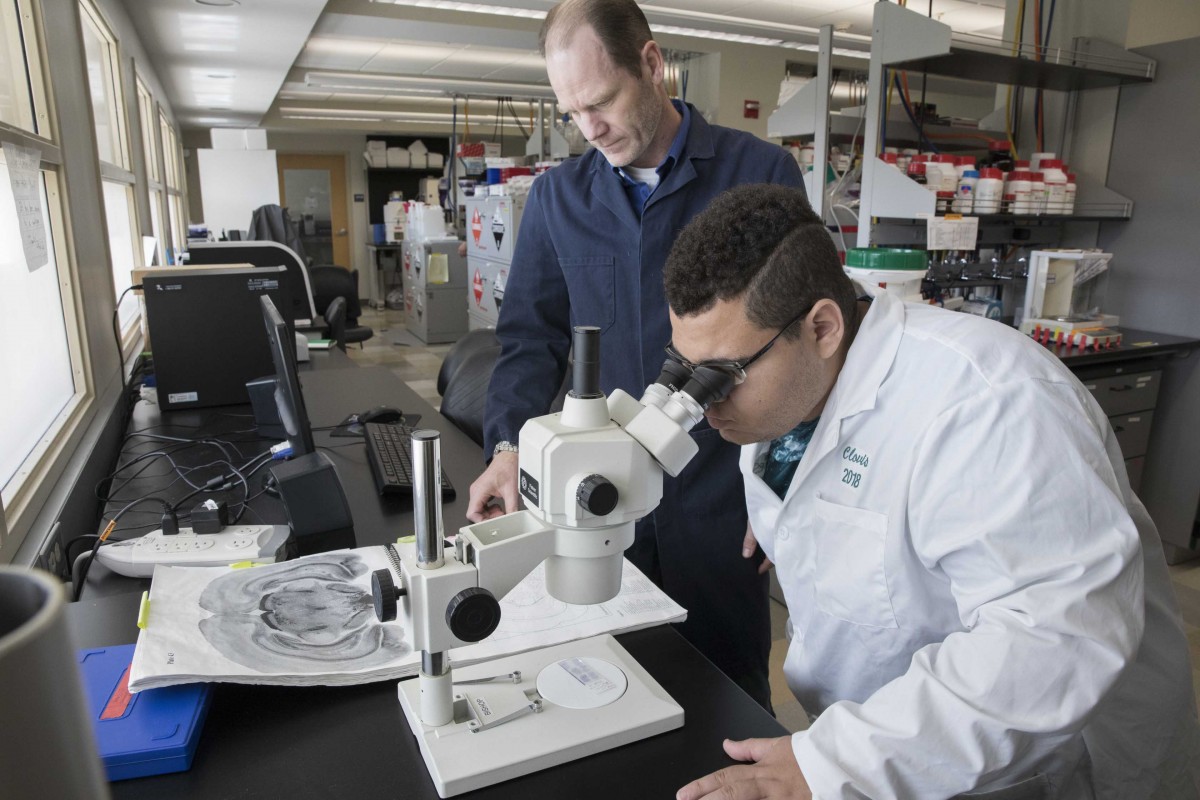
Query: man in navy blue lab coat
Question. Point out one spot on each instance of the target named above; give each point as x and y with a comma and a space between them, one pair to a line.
593, 239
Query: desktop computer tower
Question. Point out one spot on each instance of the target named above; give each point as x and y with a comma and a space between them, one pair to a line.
206, 331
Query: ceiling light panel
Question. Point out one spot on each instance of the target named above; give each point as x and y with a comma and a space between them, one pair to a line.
812, 15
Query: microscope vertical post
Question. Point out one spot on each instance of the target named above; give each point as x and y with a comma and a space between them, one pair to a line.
437, 703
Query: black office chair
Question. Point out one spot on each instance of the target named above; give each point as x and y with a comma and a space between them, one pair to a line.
335, 318
471, 342
330, 281
466, 391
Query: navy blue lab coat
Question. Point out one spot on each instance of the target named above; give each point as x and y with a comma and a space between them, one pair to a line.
583, 257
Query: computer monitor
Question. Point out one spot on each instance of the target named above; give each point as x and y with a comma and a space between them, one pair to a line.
288, 399
264, 254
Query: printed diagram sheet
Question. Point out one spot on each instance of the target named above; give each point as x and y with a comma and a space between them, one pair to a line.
311, 621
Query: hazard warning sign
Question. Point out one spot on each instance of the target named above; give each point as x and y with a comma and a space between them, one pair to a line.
498, 227
477, 287
476, 228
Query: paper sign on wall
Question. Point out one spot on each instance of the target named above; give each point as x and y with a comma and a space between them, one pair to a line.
24, 176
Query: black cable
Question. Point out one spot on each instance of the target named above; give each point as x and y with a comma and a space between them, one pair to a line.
117, 336
516, 119
86, 566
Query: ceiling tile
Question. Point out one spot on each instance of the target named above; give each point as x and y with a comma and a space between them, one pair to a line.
330, 52
409, 58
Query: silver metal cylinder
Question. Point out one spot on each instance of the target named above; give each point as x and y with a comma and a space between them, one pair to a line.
427, 497
434, 664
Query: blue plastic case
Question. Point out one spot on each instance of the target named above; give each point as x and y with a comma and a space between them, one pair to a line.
149, 733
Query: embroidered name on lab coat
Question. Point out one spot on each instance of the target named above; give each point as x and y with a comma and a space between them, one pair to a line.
852, 476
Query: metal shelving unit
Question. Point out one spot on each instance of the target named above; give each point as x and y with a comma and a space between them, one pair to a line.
903, 39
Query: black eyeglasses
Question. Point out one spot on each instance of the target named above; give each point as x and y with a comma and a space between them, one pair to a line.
736, 368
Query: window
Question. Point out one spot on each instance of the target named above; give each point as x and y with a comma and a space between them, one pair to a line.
46, 386
105, 84
112, 146
173, 177
16, 95
150, 147
45, 382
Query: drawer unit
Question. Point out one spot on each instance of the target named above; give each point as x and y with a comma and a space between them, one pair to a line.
438, 314
1128, 394
1123, 394
1133, 432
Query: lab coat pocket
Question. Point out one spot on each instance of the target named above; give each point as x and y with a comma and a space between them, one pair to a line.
851, 584
591, 284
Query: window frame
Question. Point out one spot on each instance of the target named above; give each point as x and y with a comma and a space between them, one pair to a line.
119, 171
23, 495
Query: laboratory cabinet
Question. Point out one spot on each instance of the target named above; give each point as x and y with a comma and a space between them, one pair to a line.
1128, 394
435, 314
492, 225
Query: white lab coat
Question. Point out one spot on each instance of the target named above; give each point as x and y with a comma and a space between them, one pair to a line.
976, 597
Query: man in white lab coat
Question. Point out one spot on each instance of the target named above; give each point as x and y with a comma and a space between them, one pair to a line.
978, 601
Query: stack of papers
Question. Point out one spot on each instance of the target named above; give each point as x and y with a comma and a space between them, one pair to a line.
311, 622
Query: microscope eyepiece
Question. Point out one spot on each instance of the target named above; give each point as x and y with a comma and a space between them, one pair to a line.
585, 362
709, 385
674, 375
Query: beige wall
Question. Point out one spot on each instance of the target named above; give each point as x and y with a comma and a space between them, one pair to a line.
1158, 21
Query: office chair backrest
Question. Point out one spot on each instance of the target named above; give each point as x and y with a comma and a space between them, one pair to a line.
330, 281
272, 223
466, 393
335, 318
464, 347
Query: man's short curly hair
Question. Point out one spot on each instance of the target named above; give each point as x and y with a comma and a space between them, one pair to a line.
763, 242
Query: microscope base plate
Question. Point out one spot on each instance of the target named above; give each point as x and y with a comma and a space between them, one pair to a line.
461, 761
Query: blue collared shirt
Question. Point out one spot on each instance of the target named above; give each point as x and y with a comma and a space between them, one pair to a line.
639, 192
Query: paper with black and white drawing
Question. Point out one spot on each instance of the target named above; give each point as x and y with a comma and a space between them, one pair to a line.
25, 180
311, 621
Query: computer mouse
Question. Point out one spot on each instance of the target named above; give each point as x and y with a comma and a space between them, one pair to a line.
383, 414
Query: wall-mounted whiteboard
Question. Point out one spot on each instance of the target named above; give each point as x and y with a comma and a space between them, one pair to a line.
235, 182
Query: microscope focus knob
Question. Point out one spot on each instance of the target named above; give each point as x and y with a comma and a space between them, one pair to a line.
597, 494
385, 593
473, 614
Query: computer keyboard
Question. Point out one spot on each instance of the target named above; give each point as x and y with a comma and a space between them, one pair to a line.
389, 452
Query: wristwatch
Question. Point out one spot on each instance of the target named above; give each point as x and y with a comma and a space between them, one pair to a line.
504, 447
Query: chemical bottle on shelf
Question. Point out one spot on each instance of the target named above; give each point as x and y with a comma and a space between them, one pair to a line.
989, 190
999, 155
1069, 195
1018, 193
1037, 192
944, 201
891, 158
916, 172
964, 195
1037, 161
1056, 185
947, 172
964, 163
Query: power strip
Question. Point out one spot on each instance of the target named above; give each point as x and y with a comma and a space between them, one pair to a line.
136, 558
